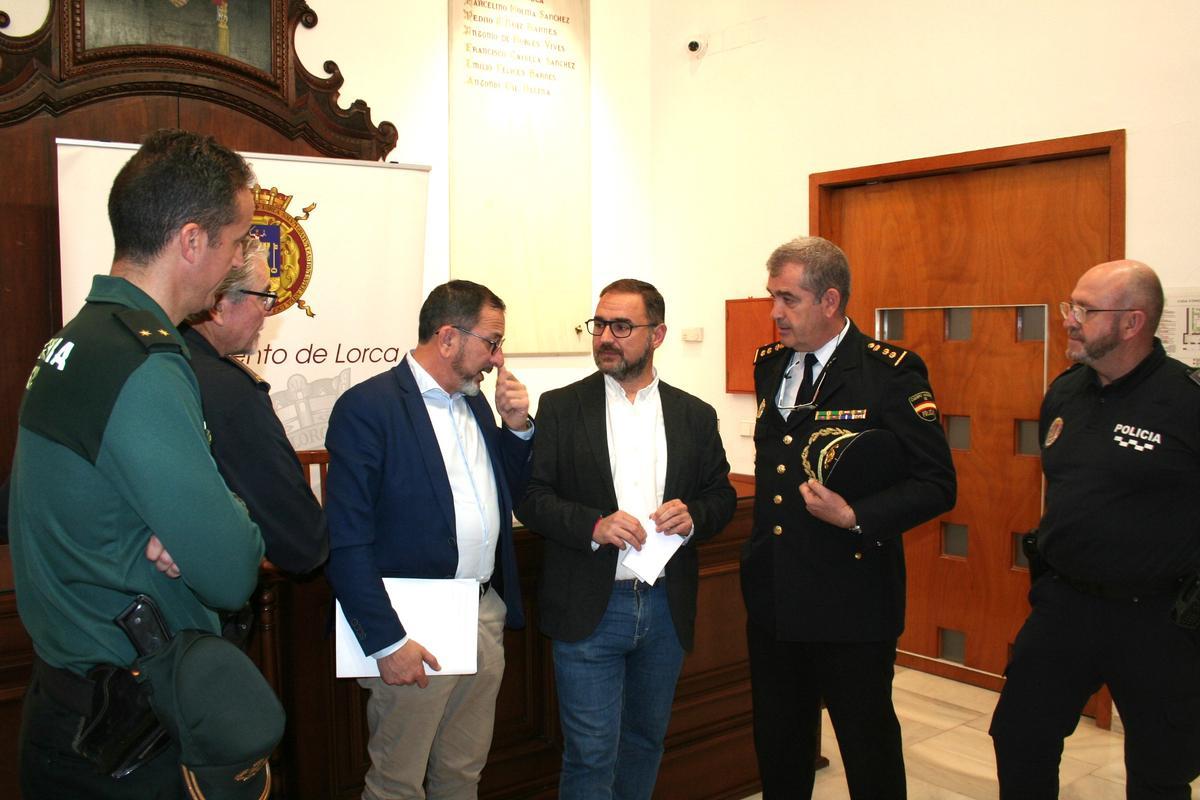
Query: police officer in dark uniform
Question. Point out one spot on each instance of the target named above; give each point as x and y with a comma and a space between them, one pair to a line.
1120, 537
250, 445
823, 572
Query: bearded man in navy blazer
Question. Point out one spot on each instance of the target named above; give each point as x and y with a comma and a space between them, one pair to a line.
620, 453
421, 485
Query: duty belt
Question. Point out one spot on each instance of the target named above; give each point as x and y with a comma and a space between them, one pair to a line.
1119, 591
71, 691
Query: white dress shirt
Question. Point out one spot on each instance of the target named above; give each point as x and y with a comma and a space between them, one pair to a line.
637, 453
472, 480
793, 376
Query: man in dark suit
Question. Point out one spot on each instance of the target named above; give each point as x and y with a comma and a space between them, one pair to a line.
421, 485
823, 572
621, 456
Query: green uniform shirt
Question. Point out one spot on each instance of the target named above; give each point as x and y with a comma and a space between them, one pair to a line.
111, 449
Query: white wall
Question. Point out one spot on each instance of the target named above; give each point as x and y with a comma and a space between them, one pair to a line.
701, 164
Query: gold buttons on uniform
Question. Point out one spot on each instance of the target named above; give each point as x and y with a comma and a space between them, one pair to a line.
858, 556
782, 468
778, 499
787, 439
778, 529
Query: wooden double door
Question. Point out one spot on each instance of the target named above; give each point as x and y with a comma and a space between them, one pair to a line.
964, 259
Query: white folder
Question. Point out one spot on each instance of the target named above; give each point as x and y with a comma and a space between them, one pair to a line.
443, 615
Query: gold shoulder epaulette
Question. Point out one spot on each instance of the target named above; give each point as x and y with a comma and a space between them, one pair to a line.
885, 351
237, 362
768, 350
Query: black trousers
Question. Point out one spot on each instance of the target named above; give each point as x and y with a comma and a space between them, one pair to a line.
788, 682
51, 770
1072, 643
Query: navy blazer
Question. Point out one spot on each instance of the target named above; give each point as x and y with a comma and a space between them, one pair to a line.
389, 505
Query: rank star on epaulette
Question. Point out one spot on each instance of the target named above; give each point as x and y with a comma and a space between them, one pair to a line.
143, 333
162, 332
889, 352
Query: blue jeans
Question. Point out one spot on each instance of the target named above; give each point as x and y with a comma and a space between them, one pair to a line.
615, 690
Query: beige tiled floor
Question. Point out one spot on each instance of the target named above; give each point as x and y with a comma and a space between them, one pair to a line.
948, 754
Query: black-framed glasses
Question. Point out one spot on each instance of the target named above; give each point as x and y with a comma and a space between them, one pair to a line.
620, 328
812, 403
268, 299
1080, 313
495, 344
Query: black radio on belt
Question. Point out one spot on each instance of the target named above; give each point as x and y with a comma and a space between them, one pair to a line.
1186, 613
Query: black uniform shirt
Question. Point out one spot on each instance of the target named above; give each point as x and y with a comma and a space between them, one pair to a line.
1122, 465
257, 460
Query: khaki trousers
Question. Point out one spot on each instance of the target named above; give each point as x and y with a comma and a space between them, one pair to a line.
433, 742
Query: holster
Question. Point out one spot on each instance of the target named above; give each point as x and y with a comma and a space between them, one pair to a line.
121, 732
1186, 611
1037, 565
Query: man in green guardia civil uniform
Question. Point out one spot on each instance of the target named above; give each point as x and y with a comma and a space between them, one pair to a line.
114, 490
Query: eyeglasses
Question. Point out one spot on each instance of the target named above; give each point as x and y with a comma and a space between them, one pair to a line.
269, 299
1080, 313
811, 404
620, 328
495, 344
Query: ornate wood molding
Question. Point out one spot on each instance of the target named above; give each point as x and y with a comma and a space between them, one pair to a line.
53, 71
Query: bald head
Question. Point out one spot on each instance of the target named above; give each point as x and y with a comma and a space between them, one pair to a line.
1122, 302
1128, 284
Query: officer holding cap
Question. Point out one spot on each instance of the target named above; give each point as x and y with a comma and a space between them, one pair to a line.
1120, 536
823, 571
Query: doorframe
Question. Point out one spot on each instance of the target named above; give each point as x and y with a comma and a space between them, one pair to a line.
821, 185
821, 189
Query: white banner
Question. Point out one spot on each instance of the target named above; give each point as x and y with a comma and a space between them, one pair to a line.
347, 245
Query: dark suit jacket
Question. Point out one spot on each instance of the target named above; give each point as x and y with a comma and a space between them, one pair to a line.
571, 488
391, 511
257, 460
807, 580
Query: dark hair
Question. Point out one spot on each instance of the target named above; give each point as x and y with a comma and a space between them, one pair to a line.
455, 303
656, 307
175, 178
825, 266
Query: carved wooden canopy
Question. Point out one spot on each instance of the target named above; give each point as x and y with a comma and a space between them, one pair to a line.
64, 65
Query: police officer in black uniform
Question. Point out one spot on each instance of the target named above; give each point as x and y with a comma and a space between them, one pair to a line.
1120, 536
249, 443
823, 572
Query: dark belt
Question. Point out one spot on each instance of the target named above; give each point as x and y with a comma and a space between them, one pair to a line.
73, 692
1119, 591
634, 584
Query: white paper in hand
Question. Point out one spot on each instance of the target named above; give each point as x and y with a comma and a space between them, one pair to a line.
648, 562
443, 615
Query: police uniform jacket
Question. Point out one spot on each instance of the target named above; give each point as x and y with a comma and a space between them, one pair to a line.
111, 448
571, 488
257, 460
806, 580
1122, 466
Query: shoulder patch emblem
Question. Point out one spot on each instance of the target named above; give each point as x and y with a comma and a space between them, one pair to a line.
887, 352
922, 403
1053, 432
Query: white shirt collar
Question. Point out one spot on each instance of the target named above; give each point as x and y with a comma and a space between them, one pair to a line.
425, 382
616, 391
